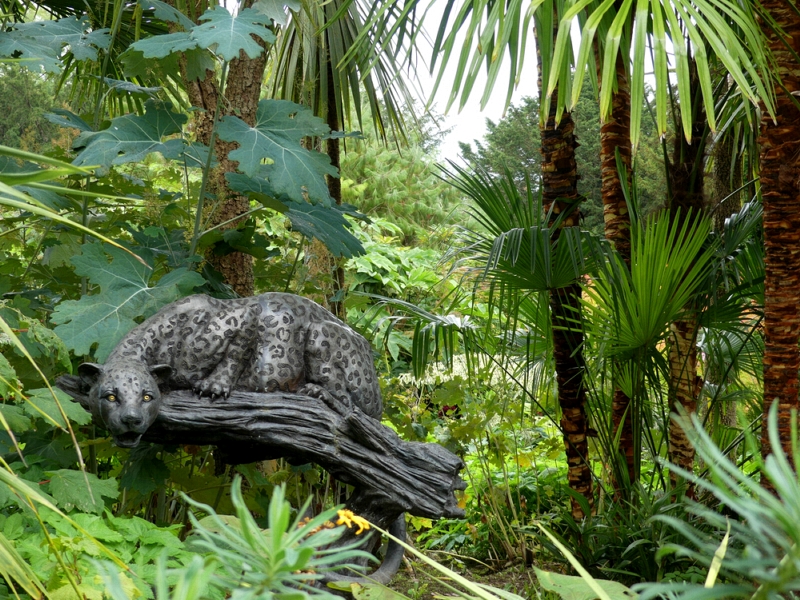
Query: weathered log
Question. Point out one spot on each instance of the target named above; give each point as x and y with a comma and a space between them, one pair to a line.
391, 476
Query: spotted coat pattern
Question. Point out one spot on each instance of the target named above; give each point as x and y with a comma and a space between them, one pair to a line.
268, 343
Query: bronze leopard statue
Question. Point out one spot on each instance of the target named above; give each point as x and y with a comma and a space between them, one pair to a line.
268, 343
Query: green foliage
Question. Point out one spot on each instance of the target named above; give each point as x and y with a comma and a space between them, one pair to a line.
68, 490
633, 310
41, 43
21, 124
571, 587
132, 137
40, 402
497, 412
276, 135
402, 185
125, 295
227, 33
619, 542
282, 561
761, 558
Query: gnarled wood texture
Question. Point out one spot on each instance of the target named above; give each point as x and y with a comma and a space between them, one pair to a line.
396, 476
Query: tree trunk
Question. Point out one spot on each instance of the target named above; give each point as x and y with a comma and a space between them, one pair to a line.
683, 388
333, 148
615, 137
686, 174
559, 187
241, 95
780, 181
726, 177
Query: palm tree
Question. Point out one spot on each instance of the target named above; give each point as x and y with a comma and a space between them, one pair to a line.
780, 173
686, 189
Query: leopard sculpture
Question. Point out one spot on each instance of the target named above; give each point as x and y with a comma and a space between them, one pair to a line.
269, 343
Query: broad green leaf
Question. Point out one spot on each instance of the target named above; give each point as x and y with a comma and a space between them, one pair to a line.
31, 52
43, 400
132, 137
280, 125
42, 43
323, 222
14, 527
161, 537
68, 487
198, 63
124, 296
230, 34
15, 417
86, 591
161, 46
167, 13
275, 10
53, 345
571, 587
135, 64
370, 591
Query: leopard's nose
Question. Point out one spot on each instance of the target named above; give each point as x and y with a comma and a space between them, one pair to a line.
132, 419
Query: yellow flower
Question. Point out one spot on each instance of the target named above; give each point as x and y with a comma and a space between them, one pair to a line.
346, 517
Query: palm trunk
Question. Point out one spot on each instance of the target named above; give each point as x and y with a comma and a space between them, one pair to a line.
684, 388
686, 174
615, 138
726, 177
780, 176
559, 183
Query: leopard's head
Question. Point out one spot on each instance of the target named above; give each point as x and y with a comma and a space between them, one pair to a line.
127, 396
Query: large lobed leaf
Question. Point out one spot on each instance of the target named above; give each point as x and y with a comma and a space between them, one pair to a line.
132, 137
104, 318
280, 125
324, 222
42, 43
224, 33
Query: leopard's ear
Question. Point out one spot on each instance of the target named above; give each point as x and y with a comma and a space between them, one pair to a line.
89, 373
161, 373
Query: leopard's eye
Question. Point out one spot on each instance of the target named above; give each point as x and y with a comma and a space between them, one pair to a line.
111, 398
147, 397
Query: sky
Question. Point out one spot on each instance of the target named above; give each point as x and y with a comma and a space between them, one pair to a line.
470, 123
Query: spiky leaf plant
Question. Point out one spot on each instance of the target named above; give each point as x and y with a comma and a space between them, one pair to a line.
762, 557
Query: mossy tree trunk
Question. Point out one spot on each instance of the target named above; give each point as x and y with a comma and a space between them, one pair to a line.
241, 95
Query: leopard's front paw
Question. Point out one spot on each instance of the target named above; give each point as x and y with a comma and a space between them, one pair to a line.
211, 388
